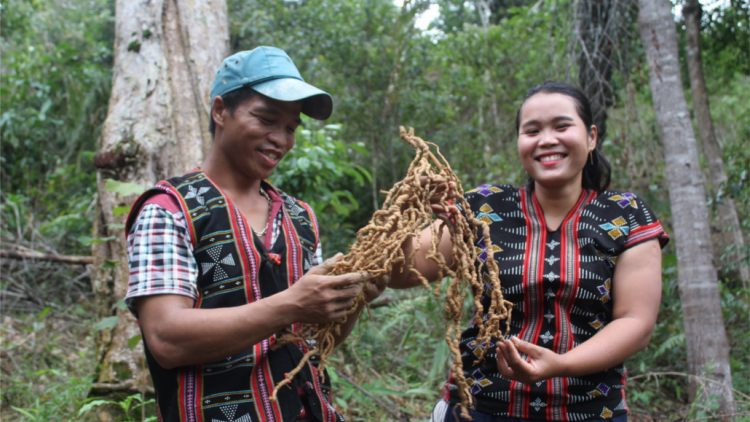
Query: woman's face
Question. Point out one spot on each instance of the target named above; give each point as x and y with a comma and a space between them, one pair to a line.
553, 141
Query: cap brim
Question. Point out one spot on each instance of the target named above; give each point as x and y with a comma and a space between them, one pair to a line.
315, 103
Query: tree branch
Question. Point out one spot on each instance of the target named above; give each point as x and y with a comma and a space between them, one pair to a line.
71, 259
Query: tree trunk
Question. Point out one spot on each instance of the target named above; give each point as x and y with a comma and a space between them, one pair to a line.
730, 233
595, 22
707, 346
603, 34
166, 53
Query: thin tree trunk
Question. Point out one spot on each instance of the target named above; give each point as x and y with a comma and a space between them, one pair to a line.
707, 346
595, 56
730, 233
166, 53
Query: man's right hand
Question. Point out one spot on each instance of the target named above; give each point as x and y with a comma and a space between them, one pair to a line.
319, 298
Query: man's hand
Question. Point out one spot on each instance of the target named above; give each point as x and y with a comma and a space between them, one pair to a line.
319, 298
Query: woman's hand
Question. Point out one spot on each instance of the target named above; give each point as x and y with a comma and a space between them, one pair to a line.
541, 365
445, 192
375, 287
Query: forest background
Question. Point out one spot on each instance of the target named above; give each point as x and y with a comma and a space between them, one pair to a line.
458, 83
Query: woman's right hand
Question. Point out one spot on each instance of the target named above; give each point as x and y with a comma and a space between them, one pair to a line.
542, 363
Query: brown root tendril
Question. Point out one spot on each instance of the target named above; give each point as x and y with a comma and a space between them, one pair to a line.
405, 213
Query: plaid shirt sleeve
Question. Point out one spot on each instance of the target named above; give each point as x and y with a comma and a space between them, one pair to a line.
318, 255
160, 256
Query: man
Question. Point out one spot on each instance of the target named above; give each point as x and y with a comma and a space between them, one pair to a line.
219, 260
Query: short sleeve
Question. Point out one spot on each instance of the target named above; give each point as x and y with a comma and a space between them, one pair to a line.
160, 255
643, 224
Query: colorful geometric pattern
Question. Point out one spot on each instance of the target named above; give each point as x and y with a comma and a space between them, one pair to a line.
625, 199
617, 228
609, 261
485, 214
604, 290
481, 249
599, 322
601, 390
476, 348
486, 190
480, 381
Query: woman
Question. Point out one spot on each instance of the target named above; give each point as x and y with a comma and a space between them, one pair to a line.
558, 243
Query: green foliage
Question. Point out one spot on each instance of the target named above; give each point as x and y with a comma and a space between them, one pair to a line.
55, 85
400, 356
46, 358
322, 170
127, 404
725, 41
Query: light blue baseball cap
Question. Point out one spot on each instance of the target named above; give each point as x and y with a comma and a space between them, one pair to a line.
270, 71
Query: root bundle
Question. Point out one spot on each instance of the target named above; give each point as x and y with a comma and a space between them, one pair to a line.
405, 213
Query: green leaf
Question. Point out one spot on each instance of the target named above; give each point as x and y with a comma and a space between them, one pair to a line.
116, 226
25, 412
121, 305
87, 240
90, 405
303, 163
124, 188
421, 390
118, 211
109, 264
107, 323
44, 312
387, 391
133, 341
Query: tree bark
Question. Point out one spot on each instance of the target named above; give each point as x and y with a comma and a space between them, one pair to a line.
594, 25
166, 53
707, 346
728, 227
604, 31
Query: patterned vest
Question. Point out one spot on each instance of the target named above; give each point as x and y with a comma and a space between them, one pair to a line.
236, 269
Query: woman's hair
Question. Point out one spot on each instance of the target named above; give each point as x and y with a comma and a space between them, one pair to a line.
596, 176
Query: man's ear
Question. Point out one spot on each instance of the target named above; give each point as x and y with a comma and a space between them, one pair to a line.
217, 111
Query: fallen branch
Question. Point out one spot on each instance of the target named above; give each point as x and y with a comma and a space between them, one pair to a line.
682, 374
71, 259
102, 388
368, 394
727, 416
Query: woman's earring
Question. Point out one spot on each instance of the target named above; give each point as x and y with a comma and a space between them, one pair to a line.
591, 157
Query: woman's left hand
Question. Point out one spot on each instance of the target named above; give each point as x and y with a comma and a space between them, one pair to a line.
541, 365
375, 286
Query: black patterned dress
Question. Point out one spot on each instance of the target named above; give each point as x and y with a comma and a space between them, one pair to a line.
560, 283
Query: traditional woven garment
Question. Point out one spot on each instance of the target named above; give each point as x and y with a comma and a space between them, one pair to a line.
560, 283
235, 268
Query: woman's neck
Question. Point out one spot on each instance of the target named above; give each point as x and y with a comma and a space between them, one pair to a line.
557, 202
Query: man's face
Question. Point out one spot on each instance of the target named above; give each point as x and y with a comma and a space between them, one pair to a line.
258, 135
